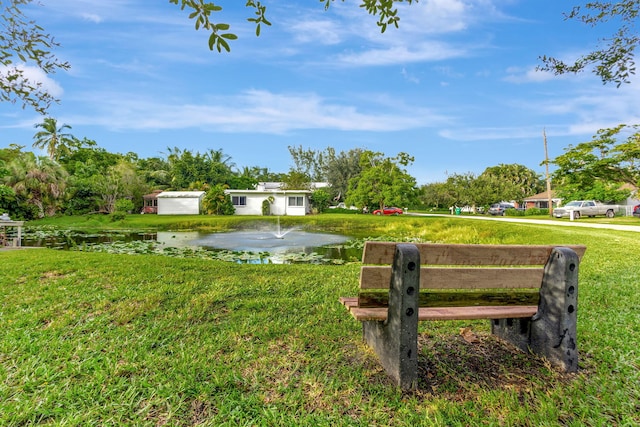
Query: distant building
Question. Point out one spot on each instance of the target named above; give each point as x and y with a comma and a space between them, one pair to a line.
541, 200
281, 201
151, 202
179, 202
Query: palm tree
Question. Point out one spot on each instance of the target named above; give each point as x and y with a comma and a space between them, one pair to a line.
53, 139
38, 181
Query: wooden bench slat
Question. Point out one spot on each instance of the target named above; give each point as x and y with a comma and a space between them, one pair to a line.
456, 254
423, 282
379, 277
450, 313
454, 298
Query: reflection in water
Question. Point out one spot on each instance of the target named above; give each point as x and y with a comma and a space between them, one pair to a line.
264, 241
266, 245
178, 239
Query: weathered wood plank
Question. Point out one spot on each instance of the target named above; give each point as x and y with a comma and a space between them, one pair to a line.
458, 254
451, 313
429, 298
378, 277
349, 301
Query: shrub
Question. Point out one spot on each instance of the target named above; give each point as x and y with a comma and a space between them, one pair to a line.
118, 216
536, 212
320, 199
514, 212
124, 205
266, 206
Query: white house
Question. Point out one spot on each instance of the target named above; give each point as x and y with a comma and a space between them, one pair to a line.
281, 202
180, 202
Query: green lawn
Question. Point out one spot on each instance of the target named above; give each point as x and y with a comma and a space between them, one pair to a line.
103, 339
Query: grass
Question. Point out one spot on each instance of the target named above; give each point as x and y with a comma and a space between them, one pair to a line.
104, 339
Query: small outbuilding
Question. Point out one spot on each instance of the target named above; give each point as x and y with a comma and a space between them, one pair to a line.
151, 202
180, 202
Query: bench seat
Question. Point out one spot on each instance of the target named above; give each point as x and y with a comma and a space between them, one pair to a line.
442, 313
528, 292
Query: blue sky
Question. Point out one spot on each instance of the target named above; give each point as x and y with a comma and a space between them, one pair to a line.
455, 86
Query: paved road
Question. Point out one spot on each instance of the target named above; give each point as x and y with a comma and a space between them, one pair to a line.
567, 223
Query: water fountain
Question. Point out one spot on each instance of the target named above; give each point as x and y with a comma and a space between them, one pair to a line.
280, 234
266, 239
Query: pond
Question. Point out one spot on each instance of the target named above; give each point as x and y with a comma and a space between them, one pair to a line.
259, 245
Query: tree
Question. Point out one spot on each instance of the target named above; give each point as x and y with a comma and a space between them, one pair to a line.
296, 180
511, 182
53, 139
435, 195
599, 168
614, 62
246, 179
155, 171
308, 162
382, 182
320, 199
8, 201
23, 44
187, 169
202, 11
340, 169
328, 166
22, 41
460, 189
37, 181
217, 202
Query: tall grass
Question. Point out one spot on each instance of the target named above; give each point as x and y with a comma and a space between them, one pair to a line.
102, 339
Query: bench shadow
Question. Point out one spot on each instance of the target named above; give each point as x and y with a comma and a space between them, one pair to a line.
460, 366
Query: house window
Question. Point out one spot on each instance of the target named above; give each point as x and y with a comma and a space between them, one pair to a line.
239, 200
296, 201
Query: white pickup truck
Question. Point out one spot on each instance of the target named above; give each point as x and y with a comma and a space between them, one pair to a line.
585, 208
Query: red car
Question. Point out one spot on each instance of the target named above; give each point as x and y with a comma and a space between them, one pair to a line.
388, 211
636, 210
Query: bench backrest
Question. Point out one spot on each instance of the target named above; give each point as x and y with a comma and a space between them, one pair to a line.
455, 275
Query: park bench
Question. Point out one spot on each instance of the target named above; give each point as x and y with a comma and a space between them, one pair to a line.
529, 293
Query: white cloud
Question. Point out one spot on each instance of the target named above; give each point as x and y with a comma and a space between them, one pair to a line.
36, 75
409, 76
92, 17
528, 75
398, 54
252, 111
324, 32
417, 39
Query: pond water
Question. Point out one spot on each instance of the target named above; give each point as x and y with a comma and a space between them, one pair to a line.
269, 246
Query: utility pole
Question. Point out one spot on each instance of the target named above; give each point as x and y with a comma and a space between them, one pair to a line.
546, 163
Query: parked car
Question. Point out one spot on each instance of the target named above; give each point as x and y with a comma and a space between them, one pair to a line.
500, 208
636, 210
388, 211
585, 208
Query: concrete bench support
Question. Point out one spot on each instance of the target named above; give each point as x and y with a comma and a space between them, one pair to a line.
529, 293
395, 341
551, 332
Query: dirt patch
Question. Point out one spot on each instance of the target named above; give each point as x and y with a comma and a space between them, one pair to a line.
460, 366
52, 275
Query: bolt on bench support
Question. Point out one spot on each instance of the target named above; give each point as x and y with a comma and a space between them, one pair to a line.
551, 332
395, 341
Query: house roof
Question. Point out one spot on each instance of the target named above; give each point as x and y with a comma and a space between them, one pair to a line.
542, 196
180, 194
229, 191
277, 186
152, 195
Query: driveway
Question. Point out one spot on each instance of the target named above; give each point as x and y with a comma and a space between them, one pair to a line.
620, 227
